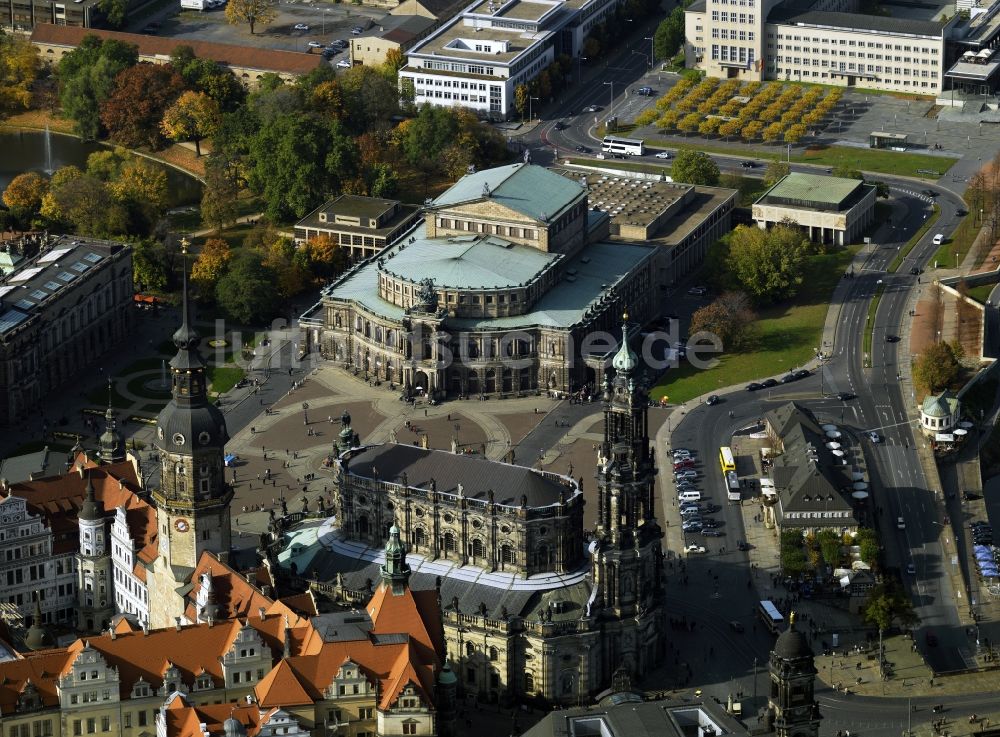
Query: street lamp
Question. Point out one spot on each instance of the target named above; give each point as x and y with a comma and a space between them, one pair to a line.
611, 108
652, 51
530, 99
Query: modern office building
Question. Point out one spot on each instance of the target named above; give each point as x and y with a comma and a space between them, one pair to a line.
822, 41
479, 57
60, 310
506, 288
830, 209
23, 15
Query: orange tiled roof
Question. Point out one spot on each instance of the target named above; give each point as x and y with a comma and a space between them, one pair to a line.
281, 687
192, 649
42, 669
303, 603
244, 57
184, 719
234, 595
59, 498
414, 612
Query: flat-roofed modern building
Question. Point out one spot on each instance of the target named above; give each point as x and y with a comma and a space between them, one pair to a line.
822, 41
362, 226
832, 209
60, 310
478, 59
496, 291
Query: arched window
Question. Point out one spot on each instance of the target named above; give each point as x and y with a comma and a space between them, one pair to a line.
449, 543
507, 554
529, 683
419, 538
470, 649
478, 549
494, 653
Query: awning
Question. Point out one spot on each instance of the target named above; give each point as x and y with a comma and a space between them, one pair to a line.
944, 437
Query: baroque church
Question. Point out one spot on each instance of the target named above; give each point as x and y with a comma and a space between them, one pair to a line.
533, 605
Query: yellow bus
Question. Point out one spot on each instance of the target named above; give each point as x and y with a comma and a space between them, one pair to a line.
726, 460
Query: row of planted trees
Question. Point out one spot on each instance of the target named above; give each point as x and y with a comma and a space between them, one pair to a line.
752, 111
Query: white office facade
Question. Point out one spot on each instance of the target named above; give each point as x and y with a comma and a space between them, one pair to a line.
478, 59
823, 42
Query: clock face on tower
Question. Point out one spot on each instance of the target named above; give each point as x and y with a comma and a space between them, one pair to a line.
181, 525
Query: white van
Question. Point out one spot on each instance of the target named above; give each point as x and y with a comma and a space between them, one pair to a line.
939, 239
690, 496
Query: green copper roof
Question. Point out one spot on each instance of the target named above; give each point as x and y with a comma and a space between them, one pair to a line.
814, 188
595, 271
469, 261
528, 189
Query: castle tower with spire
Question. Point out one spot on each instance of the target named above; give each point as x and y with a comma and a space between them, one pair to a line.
395, 571
627, 559
95, 599
112, 443
192, 501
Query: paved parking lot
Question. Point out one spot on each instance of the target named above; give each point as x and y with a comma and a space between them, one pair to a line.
326, 22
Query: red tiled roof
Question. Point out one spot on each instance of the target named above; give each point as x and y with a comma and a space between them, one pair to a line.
303, 603
281, 687
414, 612
42, 669
151, 47
192, 649
59, 498
184, 719
234, 595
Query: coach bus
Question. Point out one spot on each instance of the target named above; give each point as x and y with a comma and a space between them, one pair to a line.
626, 146
733, 484
771, 616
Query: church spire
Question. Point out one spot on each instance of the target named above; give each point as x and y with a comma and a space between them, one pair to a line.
395, 571
89, 510
189, 381
112, 444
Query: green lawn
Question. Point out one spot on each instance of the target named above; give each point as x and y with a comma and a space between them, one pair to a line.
788, 336
905, 251
954, 250
866, 159
224, 378
981, 293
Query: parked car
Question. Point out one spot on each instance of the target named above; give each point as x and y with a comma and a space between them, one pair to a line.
357, 30
711, 522
713, 399
663, 155
645, 91
787, 378
874, 437
692, 548
301, 26
801, 374
712, 533
768, 383
315, 45
692, 526
754, 386
698, 291
688, 473
712, 508
688, 451
344, 64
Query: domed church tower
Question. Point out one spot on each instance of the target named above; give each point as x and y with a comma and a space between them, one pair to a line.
192, 500
791, 704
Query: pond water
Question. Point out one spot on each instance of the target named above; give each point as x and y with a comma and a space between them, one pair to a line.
22, 151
